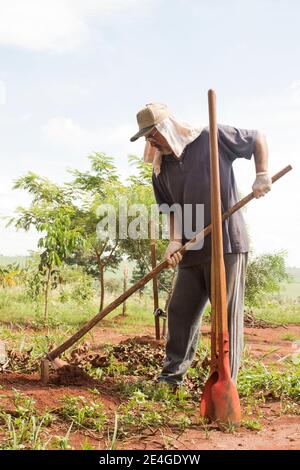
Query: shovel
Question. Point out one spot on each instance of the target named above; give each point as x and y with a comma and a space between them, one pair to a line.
220, 400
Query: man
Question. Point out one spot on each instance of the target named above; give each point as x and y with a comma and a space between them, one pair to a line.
181, 174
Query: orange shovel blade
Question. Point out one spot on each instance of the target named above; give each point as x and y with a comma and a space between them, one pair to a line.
207, 406
220, 400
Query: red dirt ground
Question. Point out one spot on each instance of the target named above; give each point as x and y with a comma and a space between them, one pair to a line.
279, 431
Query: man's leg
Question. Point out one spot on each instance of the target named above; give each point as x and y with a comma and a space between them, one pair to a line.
235, 267
185, 309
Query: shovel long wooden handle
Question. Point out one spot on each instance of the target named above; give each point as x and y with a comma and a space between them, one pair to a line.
219, 325
112, 306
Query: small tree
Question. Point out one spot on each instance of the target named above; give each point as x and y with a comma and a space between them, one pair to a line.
264, 275
100, 185
51, 213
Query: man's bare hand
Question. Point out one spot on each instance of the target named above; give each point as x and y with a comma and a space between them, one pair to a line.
170, 255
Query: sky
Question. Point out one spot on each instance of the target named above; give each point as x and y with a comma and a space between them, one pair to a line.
73, 74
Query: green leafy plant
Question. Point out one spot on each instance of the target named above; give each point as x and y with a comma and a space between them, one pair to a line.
252, 424
84, 414
264, 275
264, 382
62, 442
83, 290
52, 214
24, 429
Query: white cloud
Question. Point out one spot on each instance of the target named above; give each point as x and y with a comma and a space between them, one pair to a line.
2, 92
54, 25
40, 24
106, 8
65, 133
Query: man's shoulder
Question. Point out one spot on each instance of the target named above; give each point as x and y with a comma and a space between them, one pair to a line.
202, 137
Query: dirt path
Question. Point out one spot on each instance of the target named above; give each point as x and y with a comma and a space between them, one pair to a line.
266, 343
279, 433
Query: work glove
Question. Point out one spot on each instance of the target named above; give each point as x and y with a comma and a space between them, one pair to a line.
262, 184
171, 248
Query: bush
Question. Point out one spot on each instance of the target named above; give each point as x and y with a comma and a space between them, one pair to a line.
264, 275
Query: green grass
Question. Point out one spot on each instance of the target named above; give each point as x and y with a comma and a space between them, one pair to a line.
252, 424
154, 407
20, 340
25, 428
290, 337
262, 382
16, 309
20, 260
279, 312
290, 290
82, 413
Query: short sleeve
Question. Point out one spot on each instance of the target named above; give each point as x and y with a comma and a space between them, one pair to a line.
160, 195
237, 143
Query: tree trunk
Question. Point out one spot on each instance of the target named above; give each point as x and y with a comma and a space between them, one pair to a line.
125, 288
101, 281
46, 293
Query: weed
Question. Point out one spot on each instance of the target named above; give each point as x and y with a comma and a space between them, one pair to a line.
115, 368
94, 372
142, 412
157, 392
94, 391
229, 428
86, 445
83, 414
260, 381
24, 404
115, 434
289, 407
203, 423
289, 337
23, 433
24, 429
252, 424
62, 442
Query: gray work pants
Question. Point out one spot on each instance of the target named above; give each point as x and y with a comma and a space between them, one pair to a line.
191, 292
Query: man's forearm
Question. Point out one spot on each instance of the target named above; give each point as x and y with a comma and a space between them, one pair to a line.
263, 181
261, 154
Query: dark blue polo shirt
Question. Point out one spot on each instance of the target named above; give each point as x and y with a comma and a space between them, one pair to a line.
187, 181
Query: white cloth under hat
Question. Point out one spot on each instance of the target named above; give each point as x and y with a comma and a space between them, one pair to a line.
178, 134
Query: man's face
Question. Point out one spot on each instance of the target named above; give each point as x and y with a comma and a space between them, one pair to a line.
157, 140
